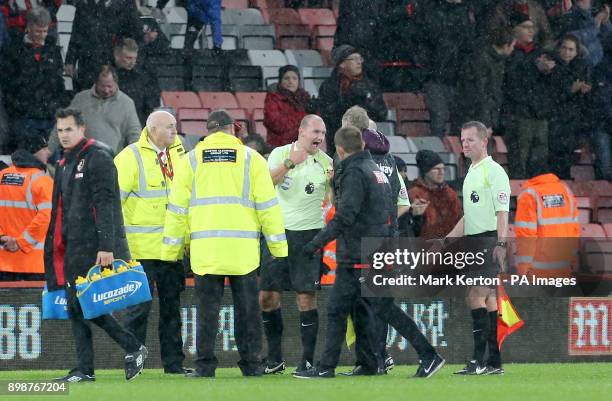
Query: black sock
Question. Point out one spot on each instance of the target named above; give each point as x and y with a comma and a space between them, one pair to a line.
494, 353
309, 326
480, 331
273, 327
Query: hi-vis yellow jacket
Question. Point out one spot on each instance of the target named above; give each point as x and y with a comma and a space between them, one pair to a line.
223, 196
144, 195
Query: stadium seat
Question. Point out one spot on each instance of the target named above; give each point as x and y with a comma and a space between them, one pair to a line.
604, 209
192, 115
218, 100
399, 144
304, 58
608, 229
284, 16
414, 128
239, 4
592, 231
6, 159
270, 61
170, 77
245, 78
241, 116
250, 101
323, 37
209, 78
386, 127
313, 77
316, 16
247, 16
515, 186
405, 100
65, 18
180, 100
585, 209
195, 128
257, 37
176, 22
230, 35
292, 37
261, 130
453, 144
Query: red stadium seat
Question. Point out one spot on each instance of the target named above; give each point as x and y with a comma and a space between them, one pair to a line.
261, 130
414, 129
608, 229
192, 114
218, 100
585, 209
582, 173
316, 16
195, 128
323, 37
284, 16
592, 231
453, 144
251, 100
179, 100
405, 100
293, 37
604, 209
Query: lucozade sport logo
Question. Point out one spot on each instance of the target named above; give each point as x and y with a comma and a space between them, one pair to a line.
129, 289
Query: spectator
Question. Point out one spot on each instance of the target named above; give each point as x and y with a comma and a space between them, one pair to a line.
156, 45
588, 27
285, 107
602, 114
97, 25
447, 36
139, 83
348, 87
109, 113
32, 79
571, 117
502, 16
402, 168
480, 83
199, 14
528, 99
436, 207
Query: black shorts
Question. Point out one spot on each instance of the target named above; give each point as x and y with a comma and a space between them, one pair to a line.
490, 269
296, 272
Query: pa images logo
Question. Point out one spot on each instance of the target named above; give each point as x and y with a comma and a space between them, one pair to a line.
474, 197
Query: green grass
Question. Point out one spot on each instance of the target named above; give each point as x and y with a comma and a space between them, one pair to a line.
522, 382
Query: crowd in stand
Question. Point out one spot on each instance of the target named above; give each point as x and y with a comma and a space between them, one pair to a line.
535, 71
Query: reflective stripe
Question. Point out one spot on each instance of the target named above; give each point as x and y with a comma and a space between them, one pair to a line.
563, 264
246, 182
142, 181
194, 166
144, 229
221, 200
43, 206
526, 224
225, 234
329, 254
266, 205
28, 238
327, 208
172, 241
29, 189
123, 194
276, 237
14, 204
177, 209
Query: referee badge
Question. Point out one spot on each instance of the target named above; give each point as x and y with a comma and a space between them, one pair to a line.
502, 197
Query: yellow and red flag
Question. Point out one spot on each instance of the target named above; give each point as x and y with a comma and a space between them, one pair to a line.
508, 320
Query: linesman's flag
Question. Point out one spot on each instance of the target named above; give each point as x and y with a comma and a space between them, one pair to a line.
508, 320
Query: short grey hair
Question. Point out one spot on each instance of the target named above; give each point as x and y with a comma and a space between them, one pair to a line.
481, 129
151, 119
38, 16
357, 117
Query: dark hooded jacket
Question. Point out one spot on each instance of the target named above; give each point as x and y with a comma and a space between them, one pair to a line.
378, 145
86, 214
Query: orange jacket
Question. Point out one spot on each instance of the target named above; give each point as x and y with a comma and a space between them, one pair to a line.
25, 211
329, 250
546, 227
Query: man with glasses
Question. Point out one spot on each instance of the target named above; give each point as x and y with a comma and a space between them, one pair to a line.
348, 87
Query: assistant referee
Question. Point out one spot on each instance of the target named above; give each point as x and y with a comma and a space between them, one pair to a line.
486, 201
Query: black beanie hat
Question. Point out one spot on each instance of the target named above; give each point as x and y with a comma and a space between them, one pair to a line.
426, 160
341, 53
283, 70
518, 14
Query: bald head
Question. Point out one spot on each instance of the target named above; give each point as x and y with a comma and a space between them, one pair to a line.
308, 119
311, 133
161, 127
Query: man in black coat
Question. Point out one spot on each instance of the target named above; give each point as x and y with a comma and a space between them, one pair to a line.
348, 87
86, 228
364, 209
97, 26
136, 81
32, 79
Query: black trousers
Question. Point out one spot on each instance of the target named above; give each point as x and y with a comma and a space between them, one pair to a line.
344, 295
371, 336
82, 333
169, 278
248, 330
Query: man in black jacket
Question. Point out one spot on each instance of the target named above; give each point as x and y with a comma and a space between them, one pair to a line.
32, 80
348, 87
364, 209
86, 228
97, 26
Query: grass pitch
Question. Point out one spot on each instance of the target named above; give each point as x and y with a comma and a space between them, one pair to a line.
522, 382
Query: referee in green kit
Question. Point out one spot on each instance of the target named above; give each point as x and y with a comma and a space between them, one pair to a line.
486, 202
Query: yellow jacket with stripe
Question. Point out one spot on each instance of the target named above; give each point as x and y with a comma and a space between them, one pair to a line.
223, 196
144, 195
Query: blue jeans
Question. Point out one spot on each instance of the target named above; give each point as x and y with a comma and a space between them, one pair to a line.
602, 146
